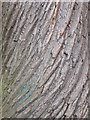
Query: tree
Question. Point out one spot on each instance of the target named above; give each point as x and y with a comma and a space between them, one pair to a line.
45, 59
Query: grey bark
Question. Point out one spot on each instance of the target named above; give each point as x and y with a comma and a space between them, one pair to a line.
89, 53
0, 59
45, 60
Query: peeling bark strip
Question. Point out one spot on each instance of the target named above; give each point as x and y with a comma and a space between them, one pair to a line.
45, 60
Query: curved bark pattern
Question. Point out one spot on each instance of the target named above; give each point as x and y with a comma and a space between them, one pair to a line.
45, 60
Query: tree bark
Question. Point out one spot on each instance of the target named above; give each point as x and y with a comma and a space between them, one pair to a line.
0, 59
45, 60
89, 54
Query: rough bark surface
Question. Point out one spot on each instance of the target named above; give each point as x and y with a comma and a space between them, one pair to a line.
45, 60
0, 59
89, 52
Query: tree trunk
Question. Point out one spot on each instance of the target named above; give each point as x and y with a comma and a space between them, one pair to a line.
45, 60
0, 58
89, 55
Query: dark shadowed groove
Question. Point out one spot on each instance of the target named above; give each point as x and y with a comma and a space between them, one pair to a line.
64, 35
62, 111
68, 105
68, 20
79, 52
24, 56
14, 29
22, 69
67, 96
85, 109
8, 19
24, 27
9, 31
7, 59
83, 87
55, 68
17, 69
29, 103
36, 67
80, 91
38, 106
75, 110
15, 26
21, 14
17, 87
40, 103
85, 114
66, 99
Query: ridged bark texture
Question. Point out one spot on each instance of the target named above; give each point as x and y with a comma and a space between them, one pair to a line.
45, 60
0, 59
89, 53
